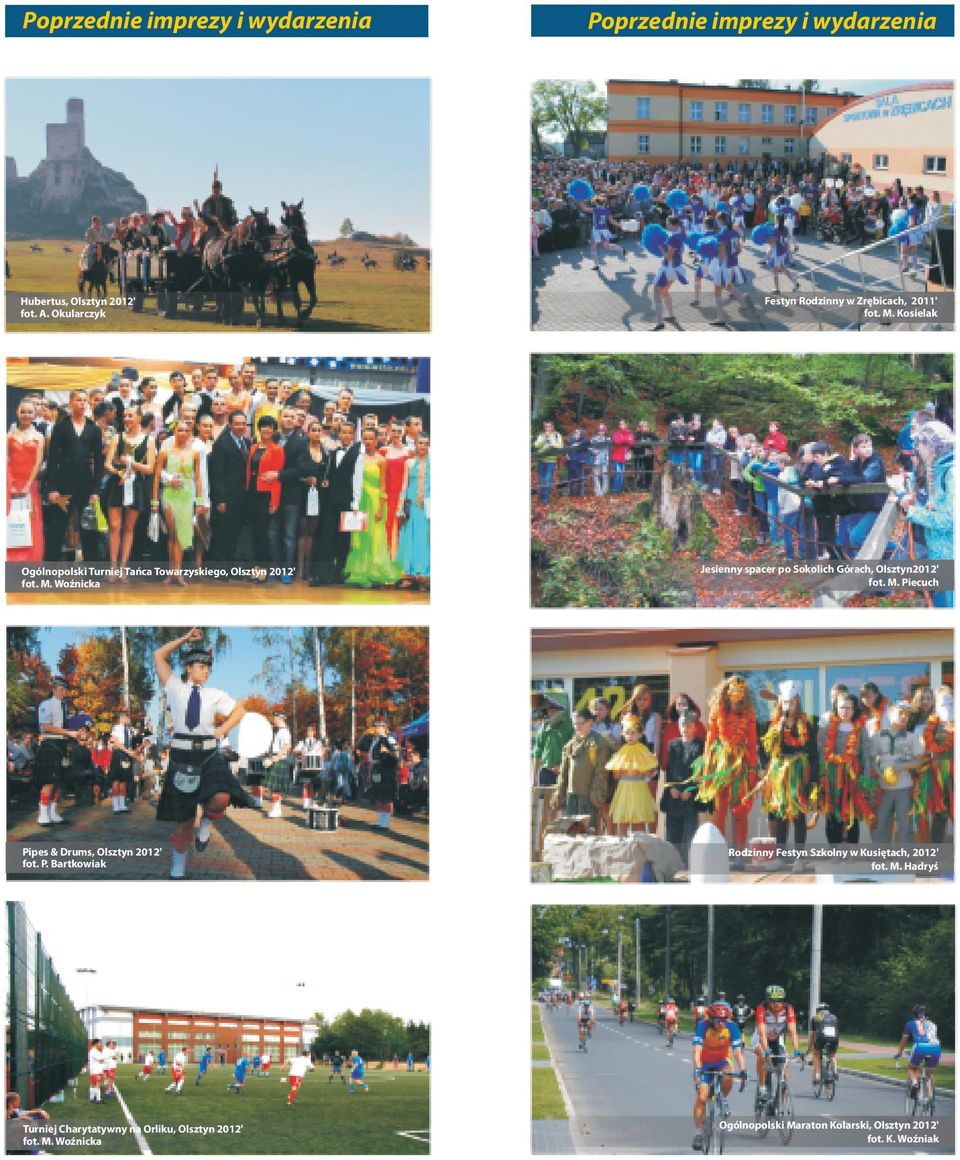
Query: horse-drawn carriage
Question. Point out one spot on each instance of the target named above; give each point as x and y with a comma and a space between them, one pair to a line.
247, 263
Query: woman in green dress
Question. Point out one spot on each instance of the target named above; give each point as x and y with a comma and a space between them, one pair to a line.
182, 488
368, 562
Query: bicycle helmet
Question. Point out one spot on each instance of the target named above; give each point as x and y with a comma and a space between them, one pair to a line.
822, 1007
669, 999
719, 1011
775, 993
702, 1001
741, 998
920, 1010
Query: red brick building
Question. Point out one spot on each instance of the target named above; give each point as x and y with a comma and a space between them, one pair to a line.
227, 1036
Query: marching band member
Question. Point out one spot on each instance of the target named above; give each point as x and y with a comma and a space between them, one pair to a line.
52, 756
198, 773
121, 762
279, 763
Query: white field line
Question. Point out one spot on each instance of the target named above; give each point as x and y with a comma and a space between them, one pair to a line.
421, 1135
134, 1126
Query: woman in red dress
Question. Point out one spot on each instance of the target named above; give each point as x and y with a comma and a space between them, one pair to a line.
25, 451
396, 454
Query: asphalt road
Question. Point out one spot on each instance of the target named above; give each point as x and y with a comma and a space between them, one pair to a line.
631, 1094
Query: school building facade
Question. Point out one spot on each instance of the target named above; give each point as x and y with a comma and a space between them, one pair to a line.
587, 663
138, 1030
906, 132
663, 122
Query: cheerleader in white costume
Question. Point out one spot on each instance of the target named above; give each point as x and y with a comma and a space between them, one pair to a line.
600, 232
724, 271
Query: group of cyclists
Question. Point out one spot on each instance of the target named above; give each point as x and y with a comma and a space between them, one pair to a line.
720, 1041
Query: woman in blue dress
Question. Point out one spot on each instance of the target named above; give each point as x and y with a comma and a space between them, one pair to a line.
934, 444
413, 554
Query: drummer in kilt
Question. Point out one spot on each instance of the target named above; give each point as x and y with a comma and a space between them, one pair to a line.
198, 773
847, 794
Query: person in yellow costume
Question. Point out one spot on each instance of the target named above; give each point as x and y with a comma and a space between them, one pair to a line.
633, 767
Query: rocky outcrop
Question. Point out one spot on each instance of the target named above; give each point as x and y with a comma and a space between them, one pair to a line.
102, 191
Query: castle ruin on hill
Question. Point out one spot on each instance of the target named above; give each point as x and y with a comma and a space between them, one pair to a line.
68, 187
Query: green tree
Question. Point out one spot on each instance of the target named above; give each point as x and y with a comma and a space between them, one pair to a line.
753, 84
572, 109
346, 228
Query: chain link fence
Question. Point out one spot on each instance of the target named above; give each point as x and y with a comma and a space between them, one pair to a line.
46, 1038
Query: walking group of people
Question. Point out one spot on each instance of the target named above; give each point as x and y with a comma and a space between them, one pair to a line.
196, 768
800, 502
255, 471
866, 765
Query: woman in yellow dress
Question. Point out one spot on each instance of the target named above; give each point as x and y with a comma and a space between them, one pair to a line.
633, 767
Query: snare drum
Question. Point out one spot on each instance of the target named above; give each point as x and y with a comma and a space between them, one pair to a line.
255, 770
312, 763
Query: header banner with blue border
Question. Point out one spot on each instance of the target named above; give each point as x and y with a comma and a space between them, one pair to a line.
265, 21
743, 20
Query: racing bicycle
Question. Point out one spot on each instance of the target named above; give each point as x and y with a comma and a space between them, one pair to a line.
826, 1083
671, 1031
921, 1101
718, 1112
776, 1111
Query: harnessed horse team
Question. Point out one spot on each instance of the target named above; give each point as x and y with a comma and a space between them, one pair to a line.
231, 260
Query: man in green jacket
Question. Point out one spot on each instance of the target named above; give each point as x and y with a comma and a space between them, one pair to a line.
553, 734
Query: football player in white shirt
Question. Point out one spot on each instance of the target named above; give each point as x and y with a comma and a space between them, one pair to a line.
95, 1069
147, 1069
177, 1070
109, 1069
299, 1066
265, 1061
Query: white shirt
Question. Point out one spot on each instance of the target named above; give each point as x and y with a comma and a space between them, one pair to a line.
212, 702
282, 741
300, 1065
148, 1059
95, 1061
265, 1059
51, 712
117, 734
109, 1059
180, 1059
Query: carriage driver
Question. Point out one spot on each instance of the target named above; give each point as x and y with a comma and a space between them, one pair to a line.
218, 212
94, 235
198, 773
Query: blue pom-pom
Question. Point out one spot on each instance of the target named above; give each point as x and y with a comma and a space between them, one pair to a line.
761, 234
580, 190
694, 238
641, 192
677, 199
898, 225
722, 207
654, 239
708, 247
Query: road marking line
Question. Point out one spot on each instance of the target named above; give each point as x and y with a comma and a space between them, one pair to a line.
133, 1125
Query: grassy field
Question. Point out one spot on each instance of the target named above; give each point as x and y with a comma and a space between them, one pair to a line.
325, 1120
350, 299
945, 1076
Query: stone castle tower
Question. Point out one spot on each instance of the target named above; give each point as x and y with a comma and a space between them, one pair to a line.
68, 186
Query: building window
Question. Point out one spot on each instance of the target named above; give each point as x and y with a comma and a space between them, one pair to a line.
828, 112
811, 115
766, 140
696, 110
766, 114
743, 113
846, 158
720, 110
934, 165
743, 146
789, 146
789, 114
643, 143
881, 161
897, 682
696, 144
719, 146
643, 108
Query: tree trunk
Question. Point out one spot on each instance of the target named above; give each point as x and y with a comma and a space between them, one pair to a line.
677, 501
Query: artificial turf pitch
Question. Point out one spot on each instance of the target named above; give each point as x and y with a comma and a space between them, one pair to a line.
326, 1119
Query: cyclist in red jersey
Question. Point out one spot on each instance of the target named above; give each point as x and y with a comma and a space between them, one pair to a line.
775, 1020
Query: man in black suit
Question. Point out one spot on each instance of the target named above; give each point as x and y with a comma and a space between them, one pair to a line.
291, 492
340, 492
227, 471
74, 471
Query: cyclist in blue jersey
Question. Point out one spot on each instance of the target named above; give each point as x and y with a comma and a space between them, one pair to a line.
717, 1045
920, 1033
